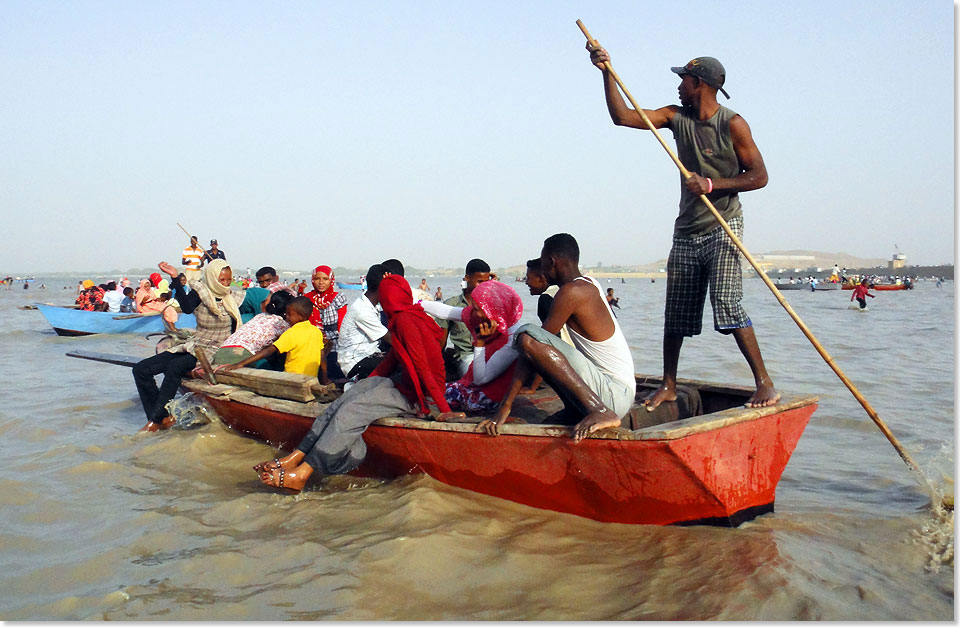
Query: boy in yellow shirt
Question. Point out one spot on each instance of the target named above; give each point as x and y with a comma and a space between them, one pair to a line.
302, 342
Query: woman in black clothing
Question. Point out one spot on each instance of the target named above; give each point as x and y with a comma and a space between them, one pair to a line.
217, 314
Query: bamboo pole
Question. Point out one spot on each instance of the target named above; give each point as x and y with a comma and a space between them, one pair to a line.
726, 227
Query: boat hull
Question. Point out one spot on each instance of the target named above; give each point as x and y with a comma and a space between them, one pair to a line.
71, 322
718, 469
879, 288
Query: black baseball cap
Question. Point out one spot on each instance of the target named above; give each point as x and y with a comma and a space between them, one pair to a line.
707, 69
212, 242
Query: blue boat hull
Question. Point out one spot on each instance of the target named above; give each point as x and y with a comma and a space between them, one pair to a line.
67, 321
349, 286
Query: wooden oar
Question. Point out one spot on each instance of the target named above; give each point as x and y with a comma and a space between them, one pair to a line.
773, 288
137, 315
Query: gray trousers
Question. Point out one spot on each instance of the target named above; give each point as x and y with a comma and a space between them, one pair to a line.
334, 445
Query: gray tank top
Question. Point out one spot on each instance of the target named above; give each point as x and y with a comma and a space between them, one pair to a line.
705, 147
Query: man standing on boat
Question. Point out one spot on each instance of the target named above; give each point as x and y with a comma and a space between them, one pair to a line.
716, 146
192, 258
213, 253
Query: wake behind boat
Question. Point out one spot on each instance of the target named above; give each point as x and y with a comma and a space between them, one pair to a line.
720, 467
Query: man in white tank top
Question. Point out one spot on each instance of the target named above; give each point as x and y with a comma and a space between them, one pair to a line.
595, 377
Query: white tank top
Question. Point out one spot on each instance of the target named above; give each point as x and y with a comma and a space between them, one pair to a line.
611, 356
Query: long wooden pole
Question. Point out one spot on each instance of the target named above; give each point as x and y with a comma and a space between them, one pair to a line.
726, 227
191, 239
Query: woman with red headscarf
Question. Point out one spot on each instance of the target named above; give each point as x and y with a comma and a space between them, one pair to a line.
492, 321
335, 444
329, 309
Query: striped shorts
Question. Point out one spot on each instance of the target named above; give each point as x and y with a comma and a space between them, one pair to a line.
710, 260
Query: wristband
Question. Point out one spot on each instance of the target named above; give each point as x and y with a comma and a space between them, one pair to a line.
710, 185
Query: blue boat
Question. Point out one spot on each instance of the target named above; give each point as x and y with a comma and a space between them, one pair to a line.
350, 286
69, 321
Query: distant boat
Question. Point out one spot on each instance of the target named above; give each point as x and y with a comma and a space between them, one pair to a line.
69, 321
880, 287
784, 287
350, 286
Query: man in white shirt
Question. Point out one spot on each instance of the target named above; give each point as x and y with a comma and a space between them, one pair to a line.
113, 297
358, 347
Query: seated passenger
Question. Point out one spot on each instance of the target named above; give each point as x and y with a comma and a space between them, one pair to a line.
302, 343
217, 314
492, 320
358, 345
335, 444
267, 278
261, 331
459, 356
112, 297
91, 298
596, 379
255, 300
127, 305
329, 309
395, 266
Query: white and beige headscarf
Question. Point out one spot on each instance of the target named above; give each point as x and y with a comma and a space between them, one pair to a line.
210, 289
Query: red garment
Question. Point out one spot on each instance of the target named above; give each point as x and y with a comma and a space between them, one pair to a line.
415, 346
500, 303
322, 300
860, 291
90, 299
155, 279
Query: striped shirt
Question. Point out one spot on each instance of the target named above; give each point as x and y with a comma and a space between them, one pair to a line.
192, 257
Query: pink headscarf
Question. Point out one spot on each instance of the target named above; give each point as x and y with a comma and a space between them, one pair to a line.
500, 303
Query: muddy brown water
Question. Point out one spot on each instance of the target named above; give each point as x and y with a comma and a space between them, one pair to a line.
99, 522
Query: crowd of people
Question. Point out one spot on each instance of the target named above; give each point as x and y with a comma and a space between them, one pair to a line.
389, 347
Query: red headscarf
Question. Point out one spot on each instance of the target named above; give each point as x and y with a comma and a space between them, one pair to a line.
322, 300
155, 278
415, 344
501, 304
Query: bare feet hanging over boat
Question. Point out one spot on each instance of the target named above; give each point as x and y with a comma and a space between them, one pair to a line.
151, 426
604, 419
294, 479
289, 462
666, 392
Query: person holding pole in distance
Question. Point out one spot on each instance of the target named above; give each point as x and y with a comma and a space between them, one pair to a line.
716, 146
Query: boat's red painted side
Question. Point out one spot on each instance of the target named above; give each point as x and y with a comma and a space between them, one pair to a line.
708, 476
878, 288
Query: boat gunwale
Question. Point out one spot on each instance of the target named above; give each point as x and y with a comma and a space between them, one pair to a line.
666, 431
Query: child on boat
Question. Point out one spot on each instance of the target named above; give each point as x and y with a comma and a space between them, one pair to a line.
262, 331
302, 342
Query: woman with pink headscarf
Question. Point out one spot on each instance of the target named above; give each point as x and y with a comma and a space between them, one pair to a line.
492, 321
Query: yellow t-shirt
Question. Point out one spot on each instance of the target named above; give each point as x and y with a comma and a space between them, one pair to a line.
303, 344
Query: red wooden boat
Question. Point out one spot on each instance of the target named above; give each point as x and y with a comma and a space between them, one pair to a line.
719, 468
879, 288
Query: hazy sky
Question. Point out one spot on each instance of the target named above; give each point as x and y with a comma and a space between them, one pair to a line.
301, 133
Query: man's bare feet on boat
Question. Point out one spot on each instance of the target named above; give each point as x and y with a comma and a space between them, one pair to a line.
594, 422
663, 393
765, 396
158, 426
289, 462
294, 479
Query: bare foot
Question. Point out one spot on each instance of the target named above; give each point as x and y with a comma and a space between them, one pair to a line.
605, 419
289, 462
450, 415
666, 392
765, 396
294, 479
526, 391
151, 426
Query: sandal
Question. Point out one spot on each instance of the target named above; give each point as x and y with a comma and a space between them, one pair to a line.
263, 465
